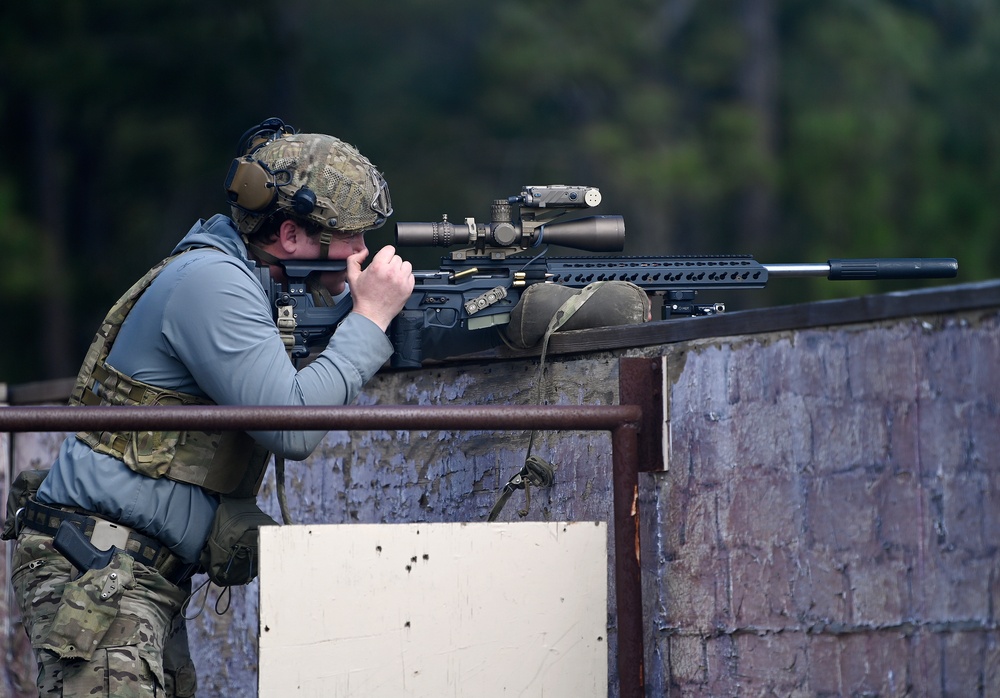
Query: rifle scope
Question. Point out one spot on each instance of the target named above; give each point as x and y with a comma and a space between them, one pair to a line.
593, 234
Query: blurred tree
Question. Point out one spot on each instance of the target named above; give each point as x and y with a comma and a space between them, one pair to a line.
670, 106
112, 109
795, 130
889, 139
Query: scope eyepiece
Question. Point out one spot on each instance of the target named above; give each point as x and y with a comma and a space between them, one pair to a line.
440, 234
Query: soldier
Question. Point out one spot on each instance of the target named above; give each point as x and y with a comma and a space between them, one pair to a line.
198, 329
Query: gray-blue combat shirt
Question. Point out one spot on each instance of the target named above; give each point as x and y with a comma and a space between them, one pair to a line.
204, 327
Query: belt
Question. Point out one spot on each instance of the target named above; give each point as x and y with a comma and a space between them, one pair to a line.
149, 551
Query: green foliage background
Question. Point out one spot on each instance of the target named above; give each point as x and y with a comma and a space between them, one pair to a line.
795, 130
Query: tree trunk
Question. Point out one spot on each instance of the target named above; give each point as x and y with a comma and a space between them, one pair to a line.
49, 198
758, 81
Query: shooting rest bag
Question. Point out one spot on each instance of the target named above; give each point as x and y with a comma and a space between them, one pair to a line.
225, 462
601, 304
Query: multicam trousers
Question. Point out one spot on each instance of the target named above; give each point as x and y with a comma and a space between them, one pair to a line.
114, 632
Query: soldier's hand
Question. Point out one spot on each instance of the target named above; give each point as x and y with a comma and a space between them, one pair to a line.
380, 290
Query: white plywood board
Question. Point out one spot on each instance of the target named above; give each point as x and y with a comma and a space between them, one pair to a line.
481, 609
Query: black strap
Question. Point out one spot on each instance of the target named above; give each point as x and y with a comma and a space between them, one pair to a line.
534, 472
149, 551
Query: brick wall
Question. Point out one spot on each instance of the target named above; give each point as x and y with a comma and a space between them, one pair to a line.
829, 523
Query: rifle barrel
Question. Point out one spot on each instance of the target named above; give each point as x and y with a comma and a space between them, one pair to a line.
871, 269
796, 270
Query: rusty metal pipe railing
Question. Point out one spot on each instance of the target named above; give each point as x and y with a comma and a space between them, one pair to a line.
621, 420
221, 417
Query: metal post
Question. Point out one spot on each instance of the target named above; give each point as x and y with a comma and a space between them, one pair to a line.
628, 582
621, 420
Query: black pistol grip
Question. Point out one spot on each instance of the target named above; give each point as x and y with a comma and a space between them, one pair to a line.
406, 340
77, 548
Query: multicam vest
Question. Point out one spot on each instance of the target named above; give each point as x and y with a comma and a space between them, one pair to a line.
226, 462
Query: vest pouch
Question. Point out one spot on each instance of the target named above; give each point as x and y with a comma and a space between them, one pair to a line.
23, 488
230, 553
227, 462
151, 452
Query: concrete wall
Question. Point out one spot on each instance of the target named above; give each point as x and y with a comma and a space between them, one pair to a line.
827, 525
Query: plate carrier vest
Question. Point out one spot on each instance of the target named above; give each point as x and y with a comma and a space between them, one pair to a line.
226, 462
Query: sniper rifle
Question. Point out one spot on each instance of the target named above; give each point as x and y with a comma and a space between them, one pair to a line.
477, 286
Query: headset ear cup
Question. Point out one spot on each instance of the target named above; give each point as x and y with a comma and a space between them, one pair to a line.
250, 186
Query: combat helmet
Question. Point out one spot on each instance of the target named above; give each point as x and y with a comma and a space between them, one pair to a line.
313, 176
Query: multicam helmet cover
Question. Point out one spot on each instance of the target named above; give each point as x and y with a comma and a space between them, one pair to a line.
313, 176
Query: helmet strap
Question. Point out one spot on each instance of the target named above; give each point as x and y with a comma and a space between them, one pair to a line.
325, 238
260, 254
320, 294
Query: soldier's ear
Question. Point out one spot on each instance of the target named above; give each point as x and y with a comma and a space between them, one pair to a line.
290, 236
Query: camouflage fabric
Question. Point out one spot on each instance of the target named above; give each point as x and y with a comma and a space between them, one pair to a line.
111, 632
546, 308
351, 195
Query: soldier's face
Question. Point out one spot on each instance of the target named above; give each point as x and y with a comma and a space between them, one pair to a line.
342, 246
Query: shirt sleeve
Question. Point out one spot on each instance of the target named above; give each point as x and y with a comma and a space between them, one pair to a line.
217, 322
